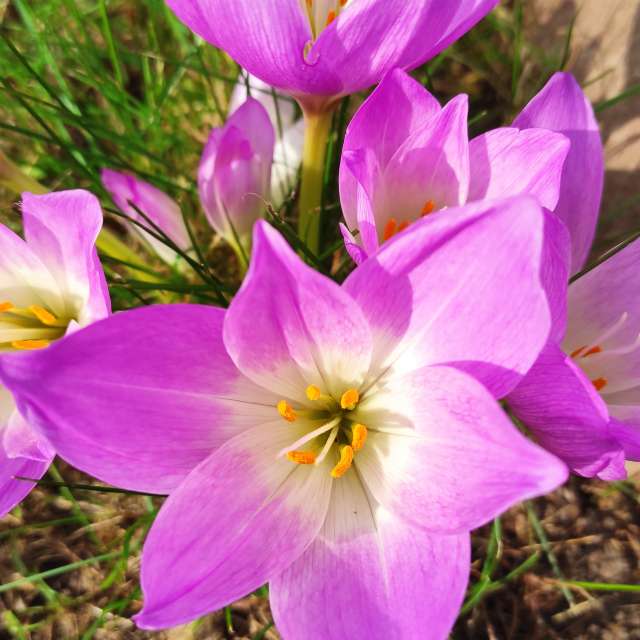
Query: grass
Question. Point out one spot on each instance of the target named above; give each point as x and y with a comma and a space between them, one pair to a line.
88, 84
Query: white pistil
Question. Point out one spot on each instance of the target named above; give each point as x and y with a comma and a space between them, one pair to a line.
328, 444
310, 436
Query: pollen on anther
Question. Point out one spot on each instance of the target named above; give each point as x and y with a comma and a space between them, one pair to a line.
29, 345
428, 208
5, 306
286, 411
331, 17
313, 392
390, 229
349, 399
46, 317
599, 383
344, 464
592, 351
301, 457
359, 437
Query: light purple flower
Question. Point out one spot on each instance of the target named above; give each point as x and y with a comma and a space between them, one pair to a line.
234, 176
405, 156
337, 441
163, 211
51, 283
320, 50
289, 130
581, 400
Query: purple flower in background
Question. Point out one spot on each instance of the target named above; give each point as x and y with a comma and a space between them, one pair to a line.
405, 156
163, 211
51, 283
234, 176
581, 400
320, 50
315, 435
289, 130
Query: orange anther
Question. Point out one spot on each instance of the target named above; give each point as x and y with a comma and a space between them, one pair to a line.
577, 352
313, 392
331, 17
346, 458
349, 399
390, 229
46, 317
593, 350
359, 436
428, 208
29, 345
286, 411
5, 306
403, 226
343, 2
301, 457
599, 383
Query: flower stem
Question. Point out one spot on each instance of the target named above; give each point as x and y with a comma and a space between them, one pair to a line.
316, 135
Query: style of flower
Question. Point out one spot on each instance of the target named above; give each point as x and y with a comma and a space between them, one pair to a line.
589, 415
405, 157
337, 441
288, 127
320, 50
51, 283
132, 196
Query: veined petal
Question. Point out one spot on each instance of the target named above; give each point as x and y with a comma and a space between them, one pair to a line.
238, 519
370, 575
289, 326
460, 287
447, 459
566, 415
397, 107
562, 106
139, 399
162, 210
509, 162
625, 428
61, 229
19, 440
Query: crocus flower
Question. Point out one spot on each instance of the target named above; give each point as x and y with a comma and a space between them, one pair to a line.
50, 284
405, 156
289, 129
338, 441
581, 399
319, 50
164, 212
234, 176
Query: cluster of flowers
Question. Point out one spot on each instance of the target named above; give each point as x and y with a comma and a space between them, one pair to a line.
337, 441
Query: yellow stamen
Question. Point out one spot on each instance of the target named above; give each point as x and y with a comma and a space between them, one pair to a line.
599, 383
346, 458
28, 345
349, 399
5, 306
359, 437
428, 208
301, 457
46, 317
390, 229
313, 392
286, 411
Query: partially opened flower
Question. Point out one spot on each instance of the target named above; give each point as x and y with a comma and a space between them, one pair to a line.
164, 212
581, 400
338, 441
50, 284
234, 176
320, 50
405, 157
289, 130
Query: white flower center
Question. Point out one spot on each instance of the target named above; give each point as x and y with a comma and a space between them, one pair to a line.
32, 327
321, 13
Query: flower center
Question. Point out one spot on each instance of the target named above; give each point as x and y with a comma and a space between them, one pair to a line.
32, 327
392, 227
338, 434
321, 13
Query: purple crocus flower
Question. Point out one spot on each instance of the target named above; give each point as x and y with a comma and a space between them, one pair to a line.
405, 156
581, 399
337, 441
51, 283
163, 211
320, 50
234, 176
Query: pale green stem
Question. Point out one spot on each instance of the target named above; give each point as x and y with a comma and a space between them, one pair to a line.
316, 136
